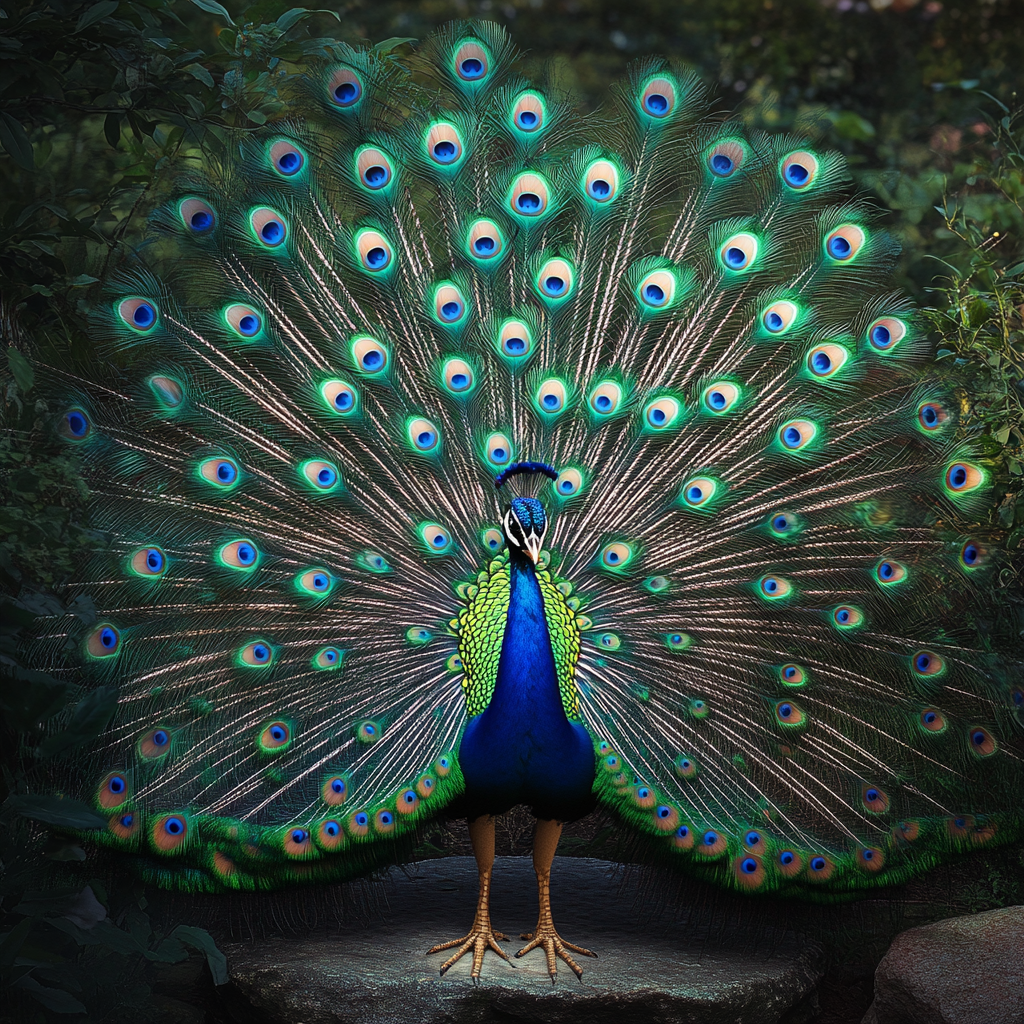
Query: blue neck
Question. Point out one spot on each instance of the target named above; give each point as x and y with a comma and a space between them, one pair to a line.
527, 684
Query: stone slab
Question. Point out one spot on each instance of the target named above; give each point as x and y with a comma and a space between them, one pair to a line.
659, 972
964, 970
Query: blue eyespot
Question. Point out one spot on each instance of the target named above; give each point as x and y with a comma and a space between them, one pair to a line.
472, 68
818, 863
144, 315
748, 865
117, 784
709, 838
839, 247
445, 151
735, 257
174, 826
796, 175
160, 738
656, 104
786, 858
528, 202
338, 786
752, 839
278, 733
527, 120
77, 423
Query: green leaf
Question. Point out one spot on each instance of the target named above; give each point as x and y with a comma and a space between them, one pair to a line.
12, 941
14, 139
96, 13
387, 45
112, 128
200, 73
849, 125
289, 18
201, 939
55, 999
212, 7
89, 719
21, 370
52, 810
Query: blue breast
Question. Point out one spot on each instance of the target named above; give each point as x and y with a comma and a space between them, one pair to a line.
522, 749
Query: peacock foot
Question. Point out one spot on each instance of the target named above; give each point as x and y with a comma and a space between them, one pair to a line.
554, 946
481, 938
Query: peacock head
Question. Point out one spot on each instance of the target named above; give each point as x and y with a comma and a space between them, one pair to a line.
525, 523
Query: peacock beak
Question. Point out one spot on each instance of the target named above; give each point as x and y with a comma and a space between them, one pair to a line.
533, 546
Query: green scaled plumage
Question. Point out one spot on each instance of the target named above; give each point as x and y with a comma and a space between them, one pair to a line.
757, 574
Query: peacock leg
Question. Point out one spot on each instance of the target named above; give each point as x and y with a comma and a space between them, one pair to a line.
481, 936
545, 842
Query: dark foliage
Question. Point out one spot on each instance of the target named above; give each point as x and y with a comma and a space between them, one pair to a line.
101, 100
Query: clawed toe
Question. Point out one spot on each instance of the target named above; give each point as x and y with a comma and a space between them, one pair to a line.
555, 947
479, 940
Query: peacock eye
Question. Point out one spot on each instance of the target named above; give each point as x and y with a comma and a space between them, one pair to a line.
738, 252
286, 159
499, 450
528, 113
726, 158
374, 252
345, 88
657, 290
268, 226
843, 244
374, 168
449, 305
799, 170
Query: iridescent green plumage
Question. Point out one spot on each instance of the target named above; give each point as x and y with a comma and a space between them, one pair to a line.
761, 553
481, 627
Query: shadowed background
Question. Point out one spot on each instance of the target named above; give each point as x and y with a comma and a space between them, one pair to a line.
99, 101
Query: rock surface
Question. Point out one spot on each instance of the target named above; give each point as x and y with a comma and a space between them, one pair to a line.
378, 973
966, 970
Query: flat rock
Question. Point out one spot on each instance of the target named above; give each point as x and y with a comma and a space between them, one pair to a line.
965, 970
660, 971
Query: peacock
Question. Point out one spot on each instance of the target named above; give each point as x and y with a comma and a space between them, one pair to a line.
460, 452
